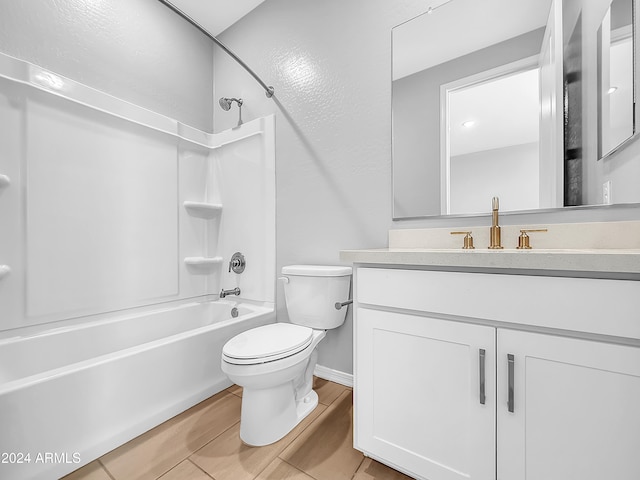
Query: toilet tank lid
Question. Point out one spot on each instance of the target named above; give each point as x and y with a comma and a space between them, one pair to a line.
317, 270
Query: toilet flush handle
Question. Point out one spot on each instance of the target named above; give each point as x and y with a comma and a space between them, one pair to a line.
284, 279
339, 305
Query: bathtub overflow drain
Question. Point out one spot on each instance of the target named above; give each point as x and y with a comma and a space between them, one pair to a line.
234, 312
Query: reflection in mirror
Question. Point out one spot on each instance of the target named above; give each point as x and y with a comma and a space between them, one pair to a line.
599, 54
615, 77
441, 59
573, 118
491, 139
446, 64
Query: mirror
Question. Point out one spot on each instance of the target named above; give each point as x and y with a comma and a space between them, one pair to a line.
479, 99
615, 76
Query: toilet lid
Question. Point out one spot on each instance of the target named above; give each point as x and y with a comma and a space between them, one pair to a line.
267, 343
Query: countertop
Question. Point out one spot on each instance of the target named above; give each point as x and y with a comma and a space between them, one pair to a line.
601, 263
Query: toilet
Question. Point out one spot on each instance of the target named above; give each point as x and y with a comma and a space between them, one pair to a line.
274, 363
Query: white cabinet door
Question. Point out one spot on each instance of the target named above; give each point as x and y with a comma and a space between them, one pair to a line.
576, 409
418, 395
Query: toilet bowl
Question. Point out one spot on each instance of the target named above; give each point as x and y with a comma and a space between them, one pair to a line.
274, 363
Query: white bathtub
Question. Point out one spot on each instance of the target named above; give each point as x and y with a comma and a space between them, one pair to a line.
71, 394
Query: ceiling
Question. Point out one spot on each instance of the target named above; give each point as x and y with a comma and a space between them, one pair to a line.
458, 27
216, 15
505, 110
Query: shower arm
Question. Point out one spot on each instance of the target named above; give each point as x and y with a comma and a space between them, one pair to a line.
268, 89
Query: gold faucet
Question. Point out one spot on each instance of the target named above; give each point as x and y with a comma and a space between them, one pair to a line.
495, 243
468, 240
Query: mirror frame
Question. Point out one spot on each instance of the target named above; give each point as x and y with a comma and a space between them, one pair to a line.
623, 145
635, 84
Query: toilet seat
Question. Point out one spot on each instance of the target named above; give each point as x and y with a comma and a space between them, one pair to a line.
267, 344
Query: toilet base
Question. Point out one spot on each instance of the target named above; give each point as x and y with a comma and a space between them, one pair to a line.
269, 414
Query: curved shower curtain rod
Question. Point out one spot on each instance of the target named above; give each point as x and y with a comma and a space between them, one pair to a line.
268, 89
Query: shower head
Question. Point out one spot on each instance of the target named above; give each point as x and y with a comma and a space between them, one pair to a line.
225, 103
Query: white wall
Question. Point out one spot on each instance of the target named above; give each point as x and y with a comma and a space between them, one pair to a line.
330, 64
136, 50
510, 173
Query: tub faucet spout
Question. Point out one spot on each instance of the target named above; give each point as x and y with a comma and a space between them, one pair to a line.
233, 291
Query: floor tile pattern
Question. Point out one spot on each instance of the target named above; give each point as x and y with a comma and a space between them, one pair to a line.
203, 443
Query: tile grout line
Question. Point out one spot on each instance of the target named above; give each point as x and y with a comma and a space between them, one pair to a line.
293, 466
176, 466
188, 457
211, 440
326, 412
172, 468
328, 408
277, 457
198, 467
359, 466
104, 467
99, 459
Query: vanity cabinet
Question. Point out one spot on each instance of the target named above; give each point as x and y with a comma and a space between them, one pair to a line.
576, 408
481, 376
417, 395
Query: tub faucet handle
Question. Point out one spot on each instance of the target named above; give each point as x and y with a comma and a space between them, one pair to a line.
237, 263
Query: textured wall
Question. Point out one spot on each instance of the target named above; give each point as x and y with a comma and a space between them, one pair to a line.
136, 50
330, 63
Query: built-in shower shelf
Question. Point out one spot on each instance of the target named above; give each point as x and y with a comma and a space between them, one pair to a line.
4, 271
4, 181
203, 209
203, 261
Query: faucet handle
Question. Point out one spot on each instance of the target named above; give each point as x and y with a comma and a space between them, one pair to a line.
468, 240
523, 239
237, 263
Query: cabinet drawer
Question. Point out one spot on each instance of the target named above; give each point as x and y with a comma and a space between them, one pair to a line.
604, 307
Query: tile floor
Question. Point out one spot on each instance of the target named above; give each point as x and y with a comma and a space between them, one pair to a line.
203, 443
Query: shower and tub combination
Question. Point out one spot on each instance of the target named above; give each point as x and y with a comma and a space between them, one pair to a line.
119, 227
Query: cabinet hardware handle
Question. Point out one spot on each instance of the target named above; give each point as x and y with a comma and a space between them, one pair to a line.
510, 400
482, 355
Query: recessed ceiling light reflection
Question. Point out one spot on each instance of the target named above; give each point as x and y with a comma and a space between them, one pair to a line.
468, 123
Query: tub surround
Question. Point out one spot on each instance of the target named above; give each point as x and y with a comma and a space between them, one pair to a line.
601, 249
118, 219
79, 161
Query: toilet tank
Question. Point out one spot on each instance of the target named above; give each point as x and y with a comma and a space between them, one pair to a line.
311, 292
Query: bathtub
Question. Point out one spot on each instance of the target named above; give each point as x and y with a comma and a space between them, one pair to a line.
71, 394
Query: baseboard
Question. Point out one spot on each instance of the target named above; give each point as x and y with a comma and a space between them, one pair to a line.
332, 375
